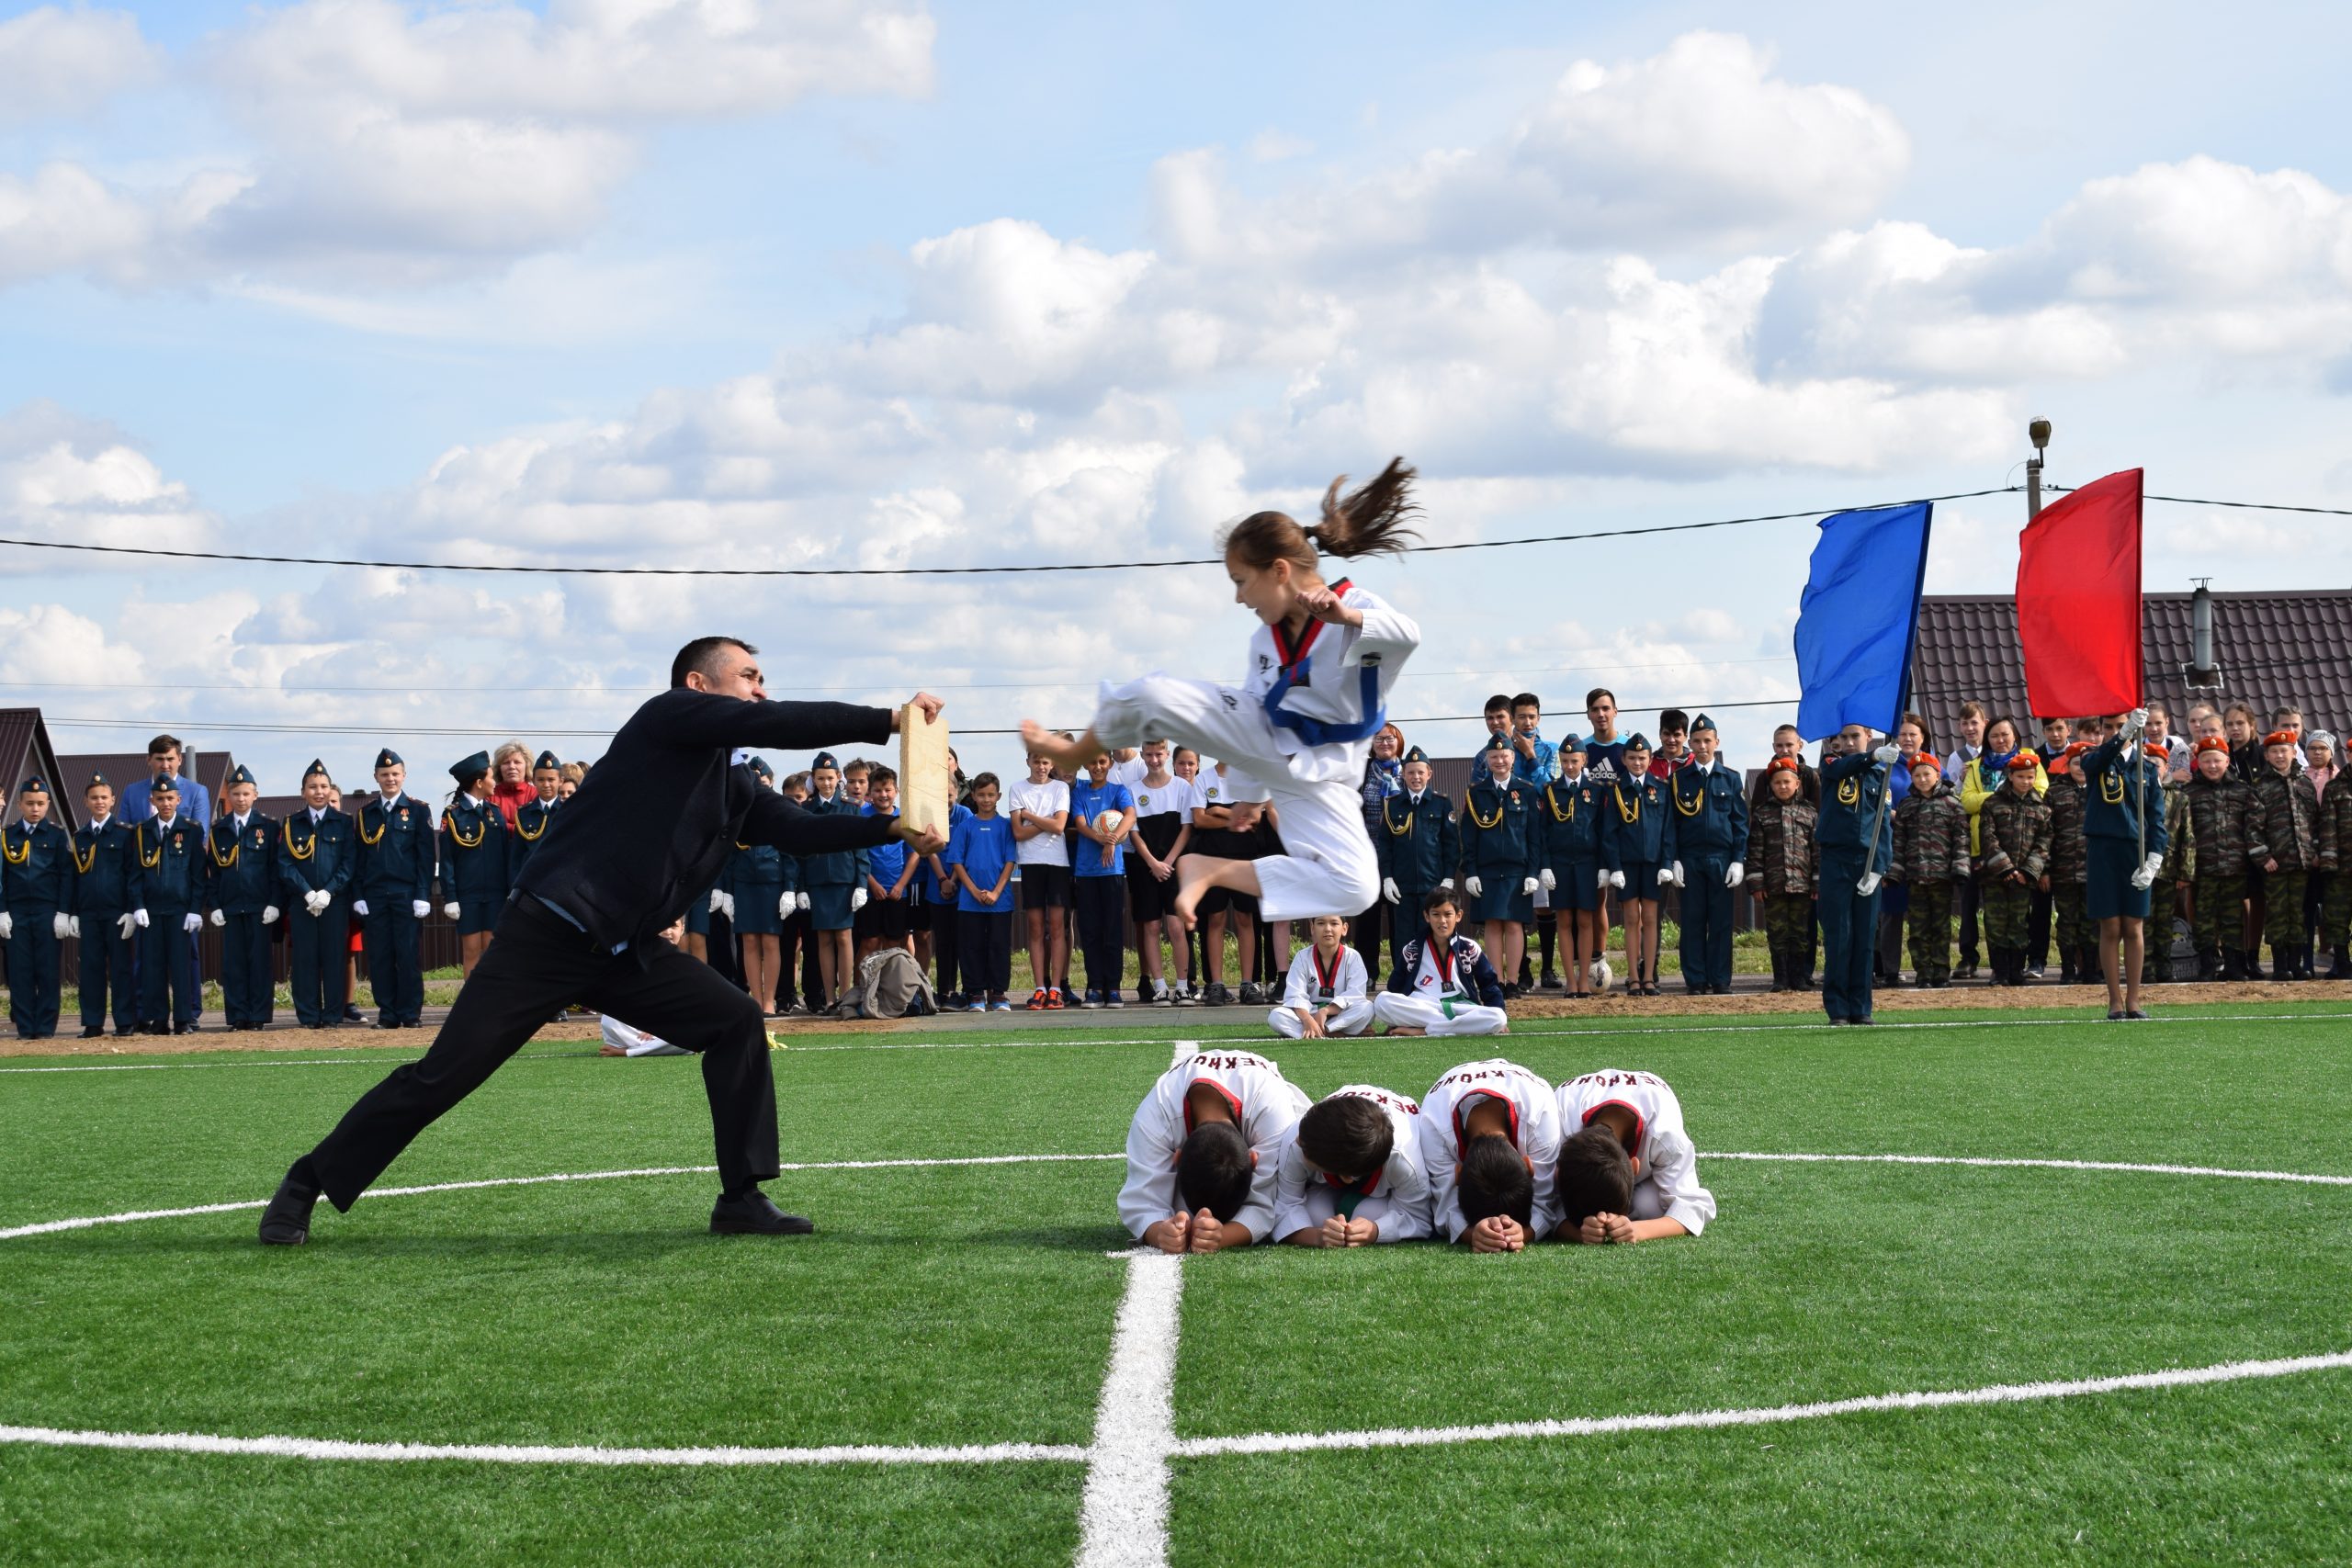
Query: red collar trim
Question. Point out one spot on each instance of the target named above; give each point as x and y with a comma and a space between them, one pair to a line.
1461, 1106
1328, 977
1228, 1095
1291, 656
1641, 1127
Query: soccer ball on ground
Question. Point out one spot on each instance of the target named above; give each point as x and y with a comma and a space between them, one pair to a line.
1600, 975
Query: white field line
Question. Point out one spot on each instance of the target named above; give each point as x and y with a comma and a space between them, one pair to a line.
86, 1221
1123, 1518
2048, 1165
1190, 1448
1805, 1025
1690, 1420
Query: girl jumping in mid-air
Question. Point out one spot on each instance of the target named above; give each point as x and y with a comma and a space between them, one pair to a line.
1300, 726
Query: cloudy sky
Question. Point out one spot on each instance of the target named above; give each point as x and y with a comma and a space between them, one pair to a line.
733, 283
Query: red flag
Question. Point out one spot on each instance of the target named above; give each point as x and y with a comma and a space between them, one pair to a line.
2079, 600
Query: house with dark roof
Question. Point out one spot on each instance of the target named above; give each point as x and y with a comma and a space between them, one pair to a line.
2291, 647
25, 753
124, 769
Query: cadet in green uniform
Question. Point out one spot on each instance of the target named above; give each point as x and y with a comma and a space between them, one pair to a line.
2285, 824
2335, 859
1707, 849
1502, 848
1568, 813
36, 878
1855, 844
241, 889
2205, 852
1419, 845
475, 874
394, 881
314, 869
102, 896
2118, 776
1931, 862
2013, 851
1786, 877
167, 853
2069, 864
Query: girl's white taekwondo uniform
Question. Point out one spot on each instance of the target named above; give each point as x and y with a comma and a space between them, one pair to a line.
1311, 987
1398, 1203
1265, 1104
1534, 1131
1298, 732
1669, 1185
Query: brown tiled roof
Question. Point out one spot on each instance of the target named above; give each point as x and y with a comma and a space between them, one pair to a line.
24, 753
2288, 647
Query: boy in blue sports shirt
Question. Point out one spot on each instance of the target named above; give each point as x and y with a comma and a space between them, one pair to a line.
890, 872
979, 860
1102, 814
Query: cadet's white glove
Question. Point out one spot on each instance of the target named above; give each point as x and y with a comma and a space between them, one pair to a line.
140, 917
1867, 884
218, 919
725, 904
7, 925
450, 909
60, 926
1389, 890
1736, 874
1887, 754
125, 925
857, 898
1601, 881
717, 902
1528, 885
801, 900
269, 914
1549, 882
1474, 887
1677, 876
1665, 875
419, 909
2146, 875
1617, 879
2136, 720
360, 907
193, 924
73, 925
784, 906
1445, 885
317, 899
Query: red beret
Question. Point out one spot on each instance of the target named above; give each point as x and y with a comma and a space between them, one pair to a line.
1782, 764
2214, 743
2281, 738
2024, 763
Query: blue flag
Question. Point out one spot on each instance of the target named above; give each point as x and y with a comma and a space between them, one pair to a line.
1857, 620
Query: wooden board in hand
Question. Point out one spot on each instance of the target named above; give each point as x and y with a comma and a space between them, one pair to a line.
926, 776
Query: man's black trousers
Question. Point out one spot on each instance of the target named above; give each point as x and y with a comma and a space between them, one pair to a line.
536, 965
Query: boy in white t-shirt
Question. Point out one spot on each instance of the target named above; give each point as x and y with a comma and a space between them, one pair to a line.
1352, 1176
1203, 1150
1628, 1171
1038, 809
1163, 828
1491, 1143
1328, 991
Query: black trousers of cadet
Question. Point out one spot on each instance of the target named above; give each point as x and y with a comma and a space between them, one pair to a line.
167, 965
1101, 908
34, 980
984, 945
537, 965
946, 945
105, 966
321, 942
248, 985
396, 961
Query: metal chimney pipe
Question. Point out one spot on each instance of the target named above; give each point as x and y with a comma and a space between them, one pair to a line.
2203, 672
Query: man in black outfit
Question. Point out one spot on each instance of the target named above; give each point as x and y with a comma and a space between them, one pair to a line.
647, 832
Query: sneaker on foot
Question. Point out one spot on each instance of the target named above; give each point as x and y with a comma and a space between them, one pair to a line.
1000, 1005
1115, 999
1038, 1002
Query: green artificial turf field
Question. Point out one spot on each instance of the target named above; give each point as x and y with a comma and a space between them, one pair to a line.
974, 1307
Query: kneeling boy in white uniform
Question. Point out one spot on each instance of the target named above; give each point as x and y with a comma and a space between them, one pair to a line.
1442, 982
1202, 1153
1326, 993
1491, 1143
1628, 1171
1352, 1174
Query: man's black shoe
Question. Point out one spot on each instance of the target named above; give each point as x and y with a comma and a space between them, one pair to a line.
286, 1220
755, 1215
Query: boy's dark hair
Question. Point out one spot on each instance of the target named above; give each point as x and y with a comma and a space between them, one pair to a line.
1212, 1171
1499, 702
986, 780
695, 655
1780, 730
1673, 718
1438, 899
858, 765
1495, 1180
1596, 1177
1597, 693
788, 780
1527, 700
1346, 1135
880, 775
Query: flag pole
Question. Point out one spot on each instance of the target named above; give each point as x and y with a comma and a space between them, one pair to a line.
1902, 699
